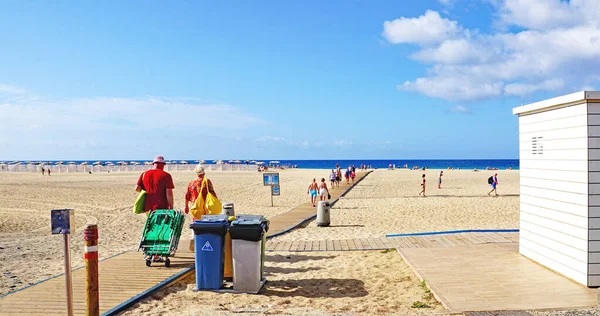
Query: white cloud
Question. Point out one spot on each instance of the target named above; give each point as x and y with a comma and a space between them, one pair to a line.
547, 14
549, 54
123, 127
446, 2
522, 89
9, 89
460, 109
426, 29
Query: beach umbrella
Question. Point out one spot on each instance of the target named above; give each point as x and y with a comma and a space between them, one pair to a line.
202, 161
274, 162
71, 162
183, 162
85, 163
97, 163
59, 163
147, 162
237, 161
260, 163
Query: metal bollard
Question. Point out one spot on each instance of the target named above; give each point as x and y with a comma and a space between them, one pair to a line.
90, 237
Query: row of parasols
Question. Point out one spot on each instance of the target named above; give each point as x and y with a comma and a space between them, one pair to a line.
132, 163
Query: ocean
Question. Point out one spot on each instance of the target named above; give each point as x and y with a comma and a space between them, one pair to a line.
375, 163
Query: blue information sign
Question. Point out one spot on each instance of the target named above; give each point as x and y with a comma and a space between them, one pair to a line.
271, 179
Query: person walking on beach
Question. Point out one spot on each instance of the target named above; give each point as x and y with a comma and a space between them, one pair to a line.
493, 183
338, 177
353, 175
422, 185
194, 187
48, 171
347, 175
440, 179
158, 185
312, 190
43, 171
323, 190
332, 178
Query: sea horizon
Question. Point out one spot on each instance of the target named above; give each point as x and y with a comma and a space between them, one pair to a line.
324, 163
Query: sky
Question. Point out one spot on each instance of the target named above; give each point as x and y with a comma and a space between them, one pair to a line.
337, 79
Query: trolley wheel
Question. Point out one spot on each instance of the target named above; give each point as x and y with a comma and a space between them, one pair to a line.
167, 262
148, 262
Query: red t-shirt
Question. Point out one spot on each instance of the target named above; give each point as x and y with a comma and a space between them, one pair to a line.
156, 182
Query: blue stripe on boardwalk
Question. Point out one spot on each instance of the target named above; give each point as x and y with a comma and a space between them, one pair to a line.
455, 232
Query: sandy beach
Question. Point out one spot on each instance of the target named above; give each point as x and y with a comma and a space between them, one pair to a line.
387, 202
30, 253
324, 283
299, 283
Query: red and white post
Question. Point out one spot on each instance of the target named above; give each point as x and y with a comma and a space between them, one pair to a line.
90, 256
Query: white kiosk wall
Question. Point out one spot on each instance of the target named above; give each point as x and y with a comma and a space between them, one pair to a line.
559, 149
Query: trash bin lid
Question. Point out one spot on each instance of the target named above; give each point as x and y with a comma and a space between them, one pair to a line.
210, 227
249, 232
214, 218
252, 218
248, 217
227, 205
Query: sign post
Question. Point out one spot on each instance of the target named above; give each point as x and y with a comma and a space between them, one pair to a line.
272, 180
90, 256
61, 221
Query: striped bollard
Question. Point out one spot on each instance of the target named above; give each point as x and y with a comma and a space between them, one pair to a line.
90, 236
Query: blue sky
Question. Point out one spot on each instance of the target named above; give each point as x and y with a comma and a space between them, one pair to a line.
284, 79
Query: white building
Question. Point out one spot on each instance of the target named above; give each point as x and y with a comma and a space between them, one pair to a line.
559, 142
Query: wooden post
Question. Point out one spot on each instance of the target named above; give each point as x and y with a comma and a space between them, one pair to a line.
68, 278
90, 236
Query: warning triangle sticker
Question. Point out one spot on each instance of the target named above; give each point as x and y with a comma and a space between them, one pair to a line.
207, 246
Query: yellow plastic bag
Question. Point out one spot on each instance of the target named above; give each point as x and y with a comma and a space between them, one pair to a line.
210, 206
213, 205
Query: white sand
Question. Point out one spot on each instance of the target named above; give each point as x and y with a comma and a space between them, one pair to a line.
323, 283
308, 283
387, 202
29, 252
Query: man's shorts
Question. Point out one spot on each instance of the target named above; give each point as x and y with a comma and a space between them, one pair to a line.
313, 193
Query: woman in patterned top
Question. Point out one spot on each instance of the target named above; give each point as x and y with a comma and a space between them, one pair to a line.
193, 189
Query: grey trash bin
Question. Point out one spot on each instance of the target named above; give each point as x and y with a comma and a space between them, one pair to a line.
248, 238
228, 209
323, 213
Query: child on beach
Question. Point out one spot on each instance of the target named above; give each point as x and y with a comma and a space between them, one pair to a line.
422, 185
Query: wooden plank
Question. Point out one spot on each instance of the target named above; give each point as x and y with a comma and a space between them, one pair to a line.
301, 244
336, 245
287, 245
329, 245
344, 244
315, 245
357, 244
322, 245
270, 245
351, 244
379, 243
386, 242
308, 245
294, 246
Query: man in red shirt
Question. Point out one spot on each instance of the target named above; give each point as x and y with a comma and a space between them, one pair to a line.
158, 185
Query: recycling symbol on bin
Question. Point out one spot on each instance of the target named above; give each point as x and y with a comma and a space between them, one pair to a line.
326, 211
207, 246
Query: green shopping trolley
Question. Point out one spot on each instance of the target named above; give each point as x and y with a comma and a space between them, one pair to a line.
160, 236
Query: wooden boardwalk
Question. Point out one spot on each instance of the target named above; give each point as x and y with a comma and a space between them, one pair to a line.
433, 241
121, 277
125, 278
283, 223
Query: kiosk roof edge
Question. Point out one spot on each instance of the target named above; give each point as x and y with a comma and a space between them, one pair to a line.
561, 101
